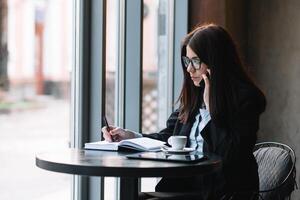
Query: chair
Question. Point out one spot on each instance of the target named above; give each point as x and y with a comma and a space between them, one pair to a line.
276, 169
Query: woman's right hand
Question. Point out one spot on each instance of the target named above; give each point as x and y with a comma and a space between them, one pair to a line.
116, 134
206, 89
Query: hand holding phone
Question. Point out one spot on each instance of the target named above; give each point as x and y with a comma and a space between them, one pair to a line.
206, 88
202, 82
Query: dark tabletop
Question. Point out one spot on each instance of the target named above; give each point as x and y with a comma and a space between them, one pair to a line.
109, 163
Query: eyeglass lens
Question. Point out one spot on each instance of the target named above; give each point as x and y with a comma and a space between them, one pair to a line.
195, 62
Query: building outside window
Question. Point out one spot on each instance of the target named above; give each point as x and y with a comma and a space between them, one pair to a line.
35, 68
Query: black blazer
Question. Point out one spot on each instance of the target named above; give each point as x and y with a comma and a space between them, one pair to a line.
234, 144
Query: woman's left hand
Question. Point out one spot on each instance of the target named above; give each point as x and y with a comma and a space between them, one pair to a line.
206, 89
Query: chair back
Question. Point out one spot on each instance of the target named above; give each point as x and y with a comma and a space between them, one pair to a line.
276, 170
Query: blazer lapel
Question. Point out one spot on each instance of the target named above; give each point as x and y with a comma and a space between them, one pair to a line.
186, 129
212, 136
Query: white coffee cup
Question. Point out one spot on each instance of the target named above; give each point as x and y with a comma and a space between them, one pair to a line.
177, 142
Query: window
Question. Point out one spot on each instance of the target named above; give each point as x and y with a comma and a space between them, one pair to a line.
42, 52
35, 71
137, 72
156, 68
111, 76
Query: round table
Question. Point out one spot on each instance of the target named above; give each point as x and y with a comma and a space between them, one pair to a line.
110, 163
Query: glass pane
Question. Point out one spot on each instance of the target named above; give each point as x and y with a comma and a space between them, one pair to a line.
35, 68
155, 67
110, 189
111, 58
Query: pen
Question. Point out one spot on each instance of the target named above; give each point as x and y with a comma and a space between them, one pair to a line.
106, 124
107, 127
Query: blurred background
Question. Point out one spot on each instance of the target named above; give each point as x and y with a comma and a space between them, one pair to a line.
36, 63
35, 70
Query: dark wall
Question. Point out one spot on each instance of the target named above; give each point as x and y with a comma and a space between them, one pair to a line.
268, 34
274, 53
223, 13
204, 11
236, 15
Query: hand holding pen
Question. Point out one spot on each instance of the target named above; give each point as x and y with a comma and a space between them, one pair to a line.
115, 134
106, 130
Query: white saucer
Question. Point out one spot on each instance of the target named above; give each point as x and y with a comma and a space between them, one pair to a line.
170, 150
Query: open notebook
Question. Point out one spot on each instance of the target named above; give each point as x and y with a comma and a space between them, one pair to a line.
139, 144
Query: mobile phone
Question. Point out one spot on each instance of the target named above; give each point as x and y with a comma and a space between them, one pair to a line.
208, 75
202, 83
106, 124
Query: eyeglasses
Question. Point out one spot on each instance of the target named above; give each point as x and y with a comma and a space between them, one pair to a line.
196, 62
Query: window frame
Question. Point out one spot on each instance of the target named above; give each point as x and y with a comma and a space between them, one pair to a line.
88, 87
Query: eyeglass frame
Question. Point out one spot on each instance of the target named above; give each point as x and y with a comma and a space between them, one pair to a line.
195, 66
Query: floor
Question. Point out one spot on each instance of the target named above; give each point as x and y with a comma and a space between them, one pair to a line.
23, 133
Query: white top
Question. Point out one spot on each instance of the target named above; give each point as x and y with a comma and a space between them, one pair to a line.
196, 140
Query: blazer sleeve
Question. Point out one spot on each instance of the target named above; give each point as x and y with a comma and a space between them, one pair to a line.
164, 134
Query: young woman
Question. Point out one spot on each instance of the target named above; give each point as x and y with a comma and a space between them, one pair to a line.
219, 112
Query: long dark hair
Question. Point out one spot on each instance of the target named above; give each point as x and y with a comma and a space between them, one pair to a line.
215, 47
